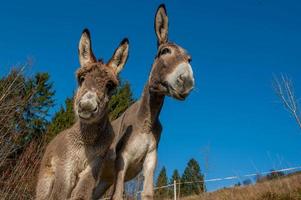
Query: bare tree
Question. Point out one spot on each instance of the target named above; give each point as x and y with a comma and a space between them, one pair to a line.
284, 88
16, 171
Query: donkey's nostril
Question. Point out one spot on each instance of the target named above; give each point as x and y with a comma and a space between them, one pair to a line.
95, 109
90, 95
86, 106
80, 104
180, 79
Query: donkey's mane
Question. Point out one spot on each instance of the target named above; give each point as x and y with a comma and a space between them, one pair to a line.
85, 69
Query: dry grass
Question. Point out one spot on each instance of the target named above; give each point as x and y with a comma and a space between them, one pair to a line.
285, 188
19, 181
18, 162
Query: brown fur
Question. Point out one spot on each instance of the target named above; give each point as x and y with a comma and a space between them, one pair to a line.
73, 152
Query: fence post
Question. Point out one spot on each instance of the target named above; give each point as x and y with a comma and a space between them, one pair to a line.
179, 189
175, 189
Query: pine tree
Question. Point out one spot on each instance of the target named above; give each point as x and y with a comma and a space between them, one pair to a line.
24, 104
120, 101
30, 98
37, 109
175, 177
12, 104
192, 173
162, 180
62, 119
13, 101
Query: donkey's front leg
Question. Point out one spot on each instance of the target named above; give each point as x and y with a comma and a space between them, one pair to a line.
87, 181
65, 181
148, 173
121, 168
45, 184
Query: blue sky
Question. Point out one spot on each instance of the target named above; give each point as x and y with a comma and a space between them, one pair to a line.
232, 123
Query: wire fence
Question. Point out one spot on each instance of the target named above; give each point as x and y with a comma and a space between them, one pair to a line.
177, 183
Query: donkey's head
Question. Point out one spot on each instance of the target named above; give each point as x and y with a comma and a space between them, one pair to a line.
171, 72
96, 79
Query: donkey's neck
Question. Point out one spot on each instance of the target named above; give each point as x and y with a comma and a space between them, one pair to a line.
92, 133
150, 107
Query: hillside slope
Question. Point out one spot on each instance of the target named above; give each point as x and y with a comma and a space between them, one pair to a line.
286, 188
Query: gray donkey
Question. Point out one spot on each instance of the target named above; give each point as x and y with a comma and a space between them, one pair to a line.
137, 131
73, 152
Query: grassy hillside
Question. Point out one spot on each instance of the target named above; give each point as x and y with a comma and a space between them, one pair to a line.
285, 188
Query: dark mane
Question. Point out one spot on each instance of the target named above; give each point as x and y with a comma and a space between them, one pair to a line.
87, 68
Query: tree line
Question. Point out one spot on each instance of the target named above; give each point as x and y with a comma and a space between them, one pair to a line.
191, 182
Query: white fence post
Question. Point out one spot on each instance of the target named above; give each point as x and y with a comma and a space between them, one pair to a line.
175, 189
179, 190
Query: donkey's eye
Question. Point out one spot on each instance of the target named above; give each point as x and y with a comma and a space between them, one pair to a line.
81, 79
110, 86
164, 51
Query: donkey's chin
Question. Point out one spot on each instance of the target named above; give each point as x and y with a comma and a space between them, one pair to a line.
178, 96
172, 92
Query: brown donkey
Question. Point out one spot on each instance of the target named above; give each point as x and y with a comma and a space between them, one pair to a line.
137, 131
74, 151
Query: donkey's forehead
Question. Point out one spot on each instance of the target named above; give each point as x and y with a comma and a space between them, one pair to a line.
174, 46
168, 44
98, 69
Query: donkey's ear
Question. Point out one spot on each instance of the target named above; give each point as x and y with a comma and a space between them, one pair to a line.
120, 56
85, 49
161, 24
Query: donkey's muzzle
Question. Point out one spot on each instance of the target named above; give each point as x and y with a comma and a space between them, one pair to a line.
87, 105
184, 83
181, 81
